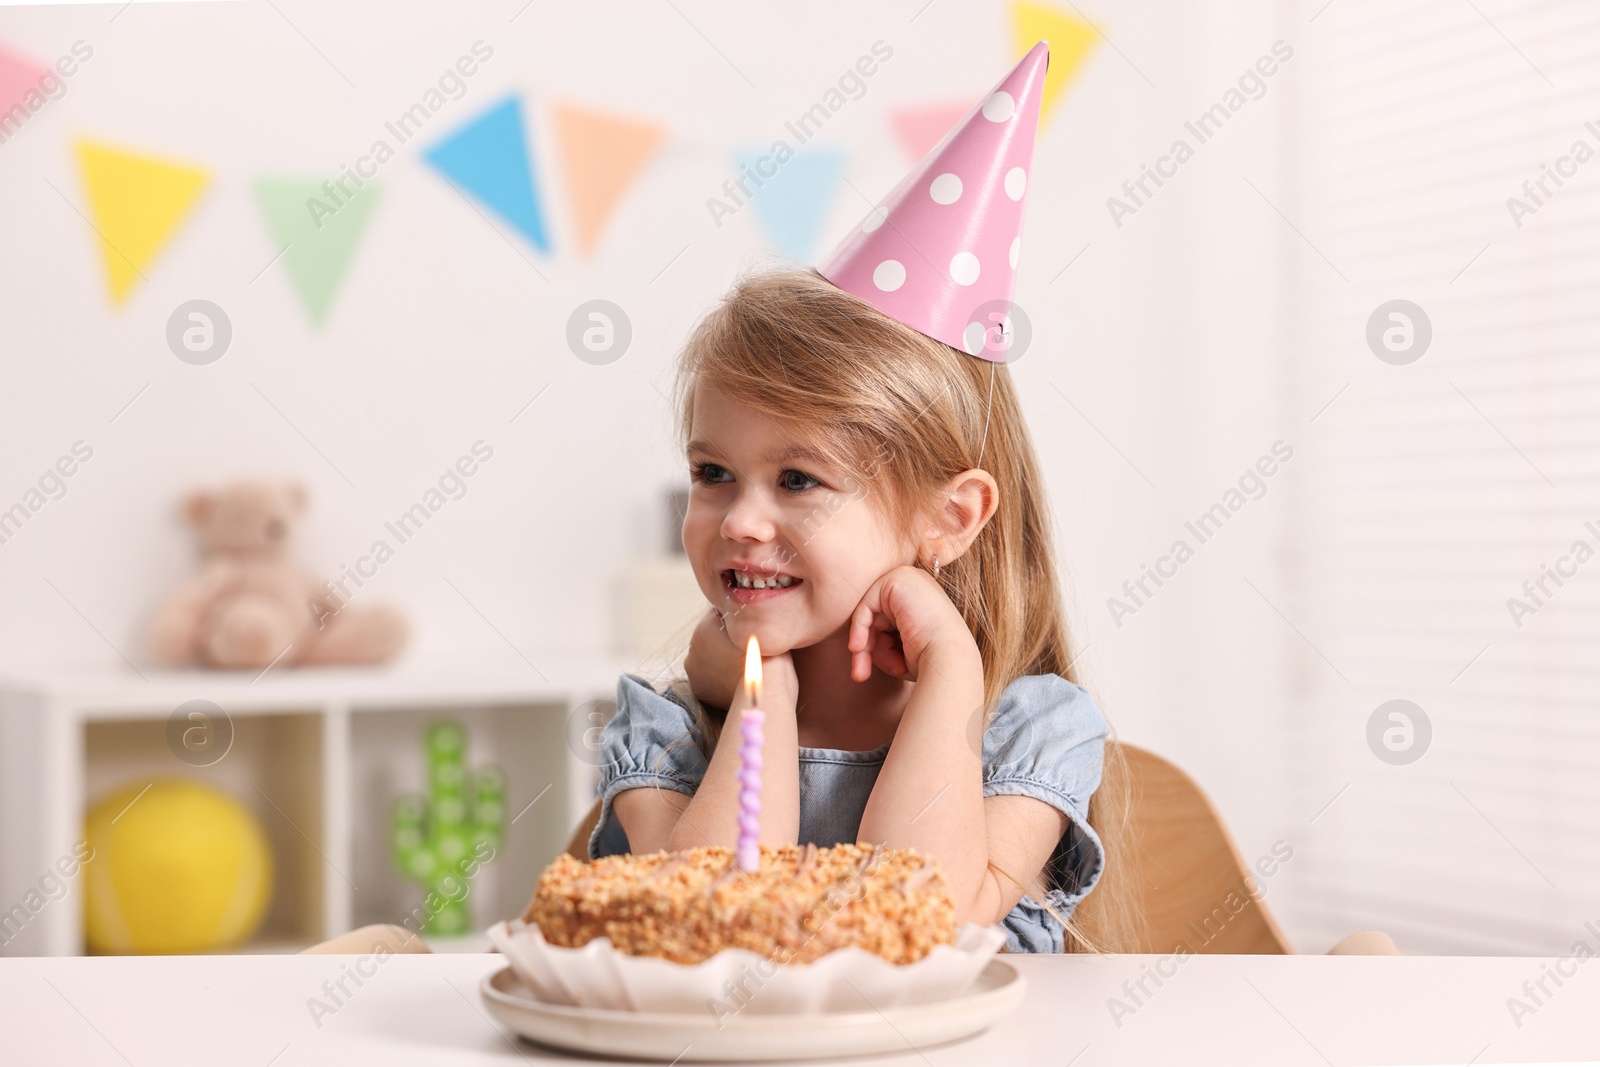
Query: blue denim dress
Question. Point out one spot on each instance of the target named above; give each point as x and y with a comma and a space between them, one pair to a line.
1046, 740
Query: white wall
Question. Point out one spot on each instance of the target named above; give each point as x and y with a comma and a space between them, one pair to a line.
1165, 334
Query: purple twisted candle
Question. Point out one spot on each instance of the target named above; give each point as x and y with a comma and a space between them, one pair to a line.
748, 852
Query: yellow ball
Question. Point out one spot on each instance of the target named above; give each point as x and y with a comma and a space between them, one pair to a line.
185, 868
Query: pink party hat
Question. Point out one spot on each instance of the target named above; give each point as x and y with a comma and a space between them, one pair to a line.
939, 253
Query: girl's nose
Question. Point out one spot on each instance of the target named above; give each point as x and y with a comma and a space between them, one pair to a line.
749, 519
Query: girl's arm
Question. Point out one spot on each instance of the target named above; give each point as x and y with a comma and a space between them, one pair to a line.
660, 819
1023, 832
929, 795
648, 816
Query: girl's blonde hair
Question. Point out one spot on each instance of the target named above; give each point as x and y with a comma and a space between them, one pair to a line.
905, 413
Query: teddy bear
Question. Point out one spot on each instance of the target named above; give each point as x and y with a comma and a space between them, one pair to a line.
250, 606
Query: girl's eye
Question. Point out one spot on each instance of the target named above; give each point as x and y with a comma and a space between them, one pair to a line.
797, 481
709, 474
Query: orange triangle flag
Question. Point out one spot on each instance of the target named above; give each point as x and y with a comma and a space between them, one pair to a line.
604, 153
135, 202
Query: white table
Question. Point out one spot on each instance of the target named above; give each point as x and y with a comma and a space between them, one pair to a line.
1316, 1010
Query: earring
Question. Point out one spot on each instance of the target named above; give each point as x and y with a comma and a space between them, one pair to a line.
935, 568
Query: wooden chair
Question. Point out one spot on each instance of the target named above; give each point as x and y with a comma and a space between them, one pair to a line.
578, 845
369, 939
1184, 875
1185, 879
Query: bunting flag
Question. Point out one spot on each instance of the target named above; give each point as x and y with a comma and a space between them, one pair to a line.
794, 201
19, 87
604, 154
1070, 38
317, 225
489, 160
135, 203
922, 127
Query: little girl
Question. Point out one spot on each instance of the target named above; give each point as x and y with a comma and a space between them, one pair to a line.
865, 499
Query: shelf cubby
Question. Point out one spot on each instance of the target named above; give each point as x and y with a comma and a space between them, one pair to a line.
319, 755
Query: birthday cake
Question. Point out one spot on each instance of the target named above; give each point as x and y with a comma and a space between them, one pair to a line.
800, 904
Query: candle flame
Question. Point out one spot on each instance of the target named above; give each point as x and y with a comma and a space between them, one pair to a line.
752, 671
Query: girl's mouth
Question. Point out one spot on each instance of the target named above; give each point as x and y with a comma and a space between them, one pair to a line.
746, 587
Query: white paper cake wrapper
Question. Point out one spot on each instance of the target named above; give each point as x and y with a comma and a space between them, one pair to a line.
736, 979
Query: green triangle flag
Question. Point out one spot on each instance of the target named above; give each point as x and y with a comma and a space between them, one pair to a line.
318, 226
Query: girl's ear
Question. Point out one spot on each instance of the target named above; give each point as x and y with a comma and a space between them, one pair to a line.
966, 504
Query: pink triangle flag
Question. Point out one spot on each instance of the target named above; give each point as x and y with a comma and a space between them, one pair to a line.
939, 253
19, 88
920, 128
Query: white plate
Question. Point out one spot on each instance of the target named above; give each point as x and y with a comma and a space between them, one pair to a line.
747, 1036
596, 975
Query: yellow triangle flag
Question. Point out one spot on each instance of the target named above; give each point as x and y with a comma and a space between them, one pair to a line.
135, 202
604, 153
1070, 38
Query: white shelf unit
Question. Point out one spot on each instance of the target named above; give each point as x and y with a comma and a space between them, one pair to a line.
318, 755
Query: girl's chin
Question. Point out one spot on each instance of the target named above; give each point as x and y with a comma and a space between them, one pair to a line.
772, 643
775, 641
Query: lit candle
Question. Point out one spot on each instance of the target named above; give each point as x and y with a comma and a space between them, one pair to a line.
748, 854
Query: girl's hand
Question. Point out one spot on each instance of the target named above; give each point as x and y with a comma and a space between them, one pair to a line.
715, 666
780, 685
905, 619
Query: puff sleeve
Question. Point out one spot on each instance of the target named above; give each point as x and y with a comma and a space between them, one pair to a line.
1046, 740
649, 742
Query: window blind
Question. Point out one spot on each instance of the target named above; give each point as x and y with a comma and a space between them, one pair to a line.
1438, 491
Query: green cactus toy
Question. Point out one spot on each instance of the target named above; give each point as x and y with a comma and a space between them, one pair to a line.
442, 839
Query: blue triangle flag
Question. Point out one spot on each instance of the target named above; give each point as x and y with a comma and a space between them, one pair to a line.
793, 202
489, 159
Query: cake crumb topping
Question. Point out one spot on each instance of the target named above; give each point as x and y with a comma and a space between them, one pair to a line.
801, 904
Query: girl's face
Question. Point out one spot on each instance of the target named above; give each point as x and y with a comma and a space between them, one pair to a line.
766, 508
